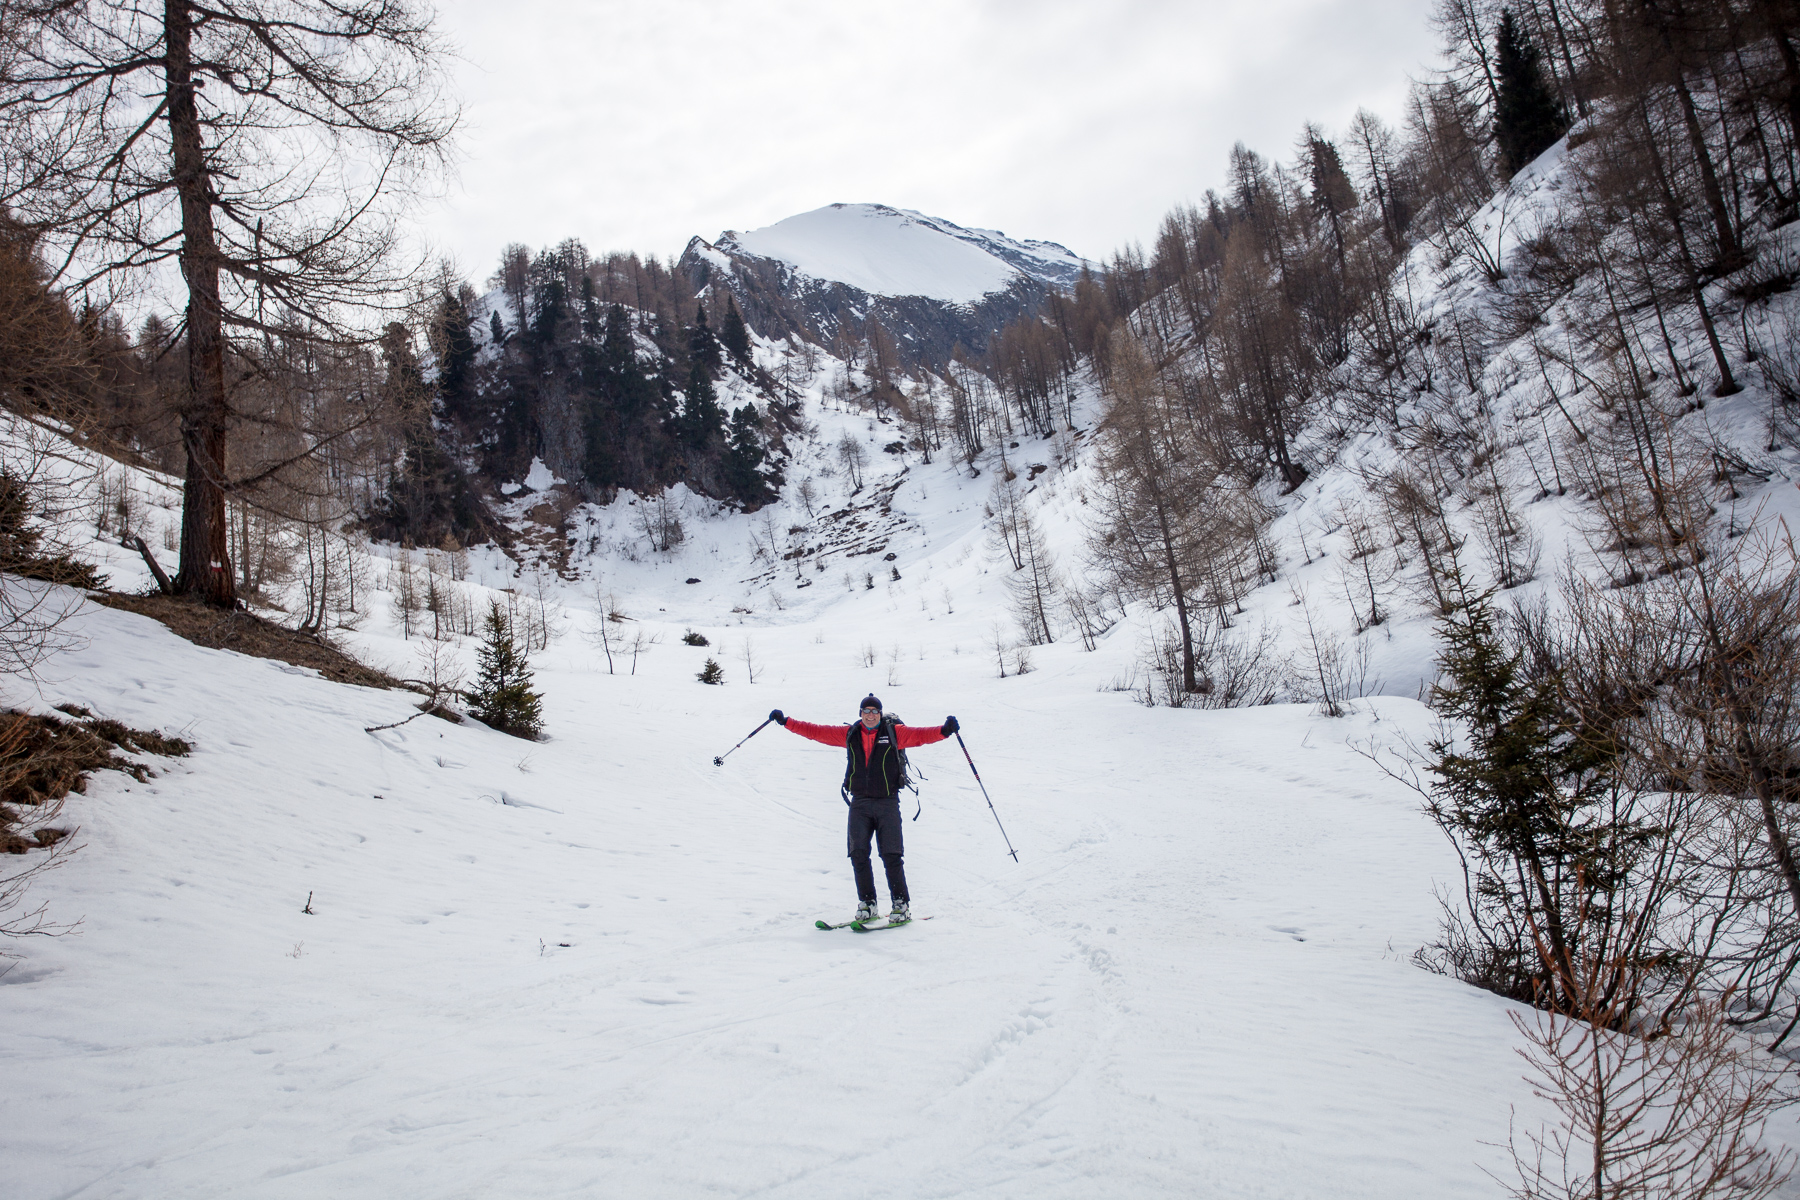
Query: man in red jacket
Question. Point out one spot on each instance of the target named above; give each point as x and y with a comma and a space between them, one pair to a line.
872, 778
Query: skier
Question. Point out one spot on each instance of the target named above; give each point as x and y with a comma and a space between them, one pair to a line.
873, 779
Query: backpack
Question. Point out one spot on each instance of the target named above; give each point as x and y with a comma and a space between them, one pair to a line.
906, 779
888, 721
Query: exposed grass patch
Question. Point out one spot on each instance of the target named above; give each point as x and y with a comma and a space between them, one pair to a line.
247, 633
44, 758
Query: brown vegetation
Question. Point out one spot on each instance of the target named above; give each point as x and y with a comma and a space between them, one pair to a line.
246, 633
42, 760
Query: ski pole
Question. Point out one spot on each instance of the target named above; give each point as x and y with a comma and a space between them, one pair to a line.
719, 759
985, 796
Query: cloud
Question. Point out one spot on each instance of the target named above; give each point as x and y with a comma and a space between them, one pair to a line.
635, 126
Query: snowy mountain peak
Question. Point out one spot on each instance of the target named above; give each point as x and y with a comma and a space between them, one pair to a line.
887, 251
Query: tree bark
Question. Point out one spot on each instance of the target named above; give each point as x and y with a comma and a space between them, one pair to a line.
162, 580
205, 572
1190, 681
1790, 62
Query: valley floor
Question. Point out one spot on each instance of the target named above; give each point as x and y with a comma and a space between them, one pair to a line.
588, 967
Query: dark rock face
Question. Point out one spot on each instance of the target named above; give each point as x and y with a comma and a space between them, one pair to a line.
607, 398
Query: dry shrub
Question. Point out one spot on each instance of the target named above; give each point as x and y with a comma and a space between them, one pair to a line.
1240, 672
42, 760
247, 633
1671, 1114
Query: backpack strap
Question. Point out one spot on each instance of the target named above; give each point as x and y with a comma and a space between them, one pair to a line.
849, 760
887, 724
906, 779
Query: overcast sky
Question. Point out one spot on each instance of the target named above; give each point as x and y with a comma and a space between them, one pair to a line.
637, 125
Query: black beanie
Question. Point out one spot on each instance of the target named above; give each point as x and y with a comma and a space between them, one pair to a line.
867, 701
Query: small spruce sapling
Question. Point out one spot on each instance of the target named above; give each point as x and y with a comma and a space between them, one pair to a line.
712, 672
502, 697
1523, 792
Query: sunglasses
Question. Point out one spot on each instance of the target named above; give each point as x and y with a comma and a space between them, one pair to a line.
871, 710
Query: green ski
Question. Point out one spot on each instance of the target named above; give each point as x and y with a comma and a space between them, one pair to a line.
871, 927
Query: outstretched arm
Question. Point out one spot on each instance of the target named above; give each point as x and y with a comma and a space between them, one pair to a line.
923, 735
829, 735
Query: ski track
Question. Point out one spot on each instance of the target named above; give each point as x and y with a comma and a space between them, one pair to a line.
587, 967
1185, 980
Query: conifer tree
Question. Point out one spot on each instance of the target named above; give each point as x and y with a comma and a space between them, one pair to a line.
745, 455
425, 496
22, 553
618, 395
590, 310
429, 496
550, 308
1520, 793
1333, 195
455, 346
703, 347
701, 420
1527, 117
733, 333
701, 417
502, 697
622, 381
712, 672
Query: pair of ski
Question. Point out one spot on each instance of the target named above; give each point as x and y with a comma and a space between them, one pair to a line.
868, 926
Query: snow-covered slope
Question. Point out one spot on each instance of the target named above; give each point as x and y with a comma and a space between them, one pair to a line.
587, 966
1530, 412
896, 252
930, 283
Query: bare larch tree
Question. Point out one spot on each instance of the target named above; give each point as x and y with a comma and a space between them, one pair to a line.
265, 149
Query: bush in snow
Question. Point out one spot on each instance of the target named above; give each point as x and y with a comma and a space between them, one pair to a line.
502, 697
1528, 794
42, 760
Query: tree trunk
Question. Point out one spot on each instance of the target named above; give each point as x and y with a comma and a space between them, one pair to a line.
1728, 384
1562, 40
1190, 682
1730, 249
1776, 19
1753, 762
205, 544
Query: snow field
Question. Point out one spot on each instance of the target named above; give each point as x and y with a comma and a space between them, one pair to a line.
1194, 981
1186, 984
895, 252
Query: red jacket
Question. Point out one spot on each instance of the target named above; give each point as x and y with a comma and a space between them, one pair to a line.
864, 778
836, 735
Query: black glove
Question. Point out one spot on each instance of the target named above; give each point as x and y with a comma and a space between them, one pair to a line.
950, 726
776, 715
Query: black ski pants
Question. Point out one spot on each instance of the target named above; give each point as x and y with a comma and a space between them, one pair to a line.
878, 821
